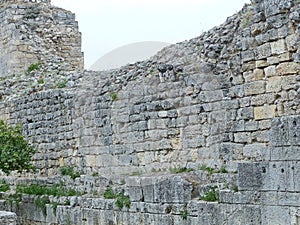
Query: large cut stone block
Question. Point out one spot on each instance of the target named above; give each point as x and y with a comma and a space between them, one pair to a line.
264, 112
251, 175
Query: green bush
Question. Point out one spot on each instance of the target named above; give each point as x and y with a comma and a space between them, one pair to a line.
54, 190
15, 152
109, 193
122, 200
4, 186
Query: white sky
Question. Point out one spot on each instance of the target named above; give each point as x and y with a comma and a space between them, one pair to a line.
109, 24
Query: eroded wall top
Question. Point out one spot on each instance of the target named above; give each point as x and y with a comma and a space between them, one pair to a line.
35, 31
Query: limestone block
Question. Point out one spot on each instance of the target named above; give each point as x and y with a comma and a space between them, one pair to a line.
288, 82
248, 76
281, 176
251, 125
254, 150
134, 189
254, 88
285, 57
207, 213
162, 189
264, 112
263, 51
245, 113
270, 71
287, 68
211, 96
258, 74
242, 137
278, 47
261, 63
240, 214
275, 215
273, 84
251, 176
231, 151
292, 42
248, 56
8, 218
285, 131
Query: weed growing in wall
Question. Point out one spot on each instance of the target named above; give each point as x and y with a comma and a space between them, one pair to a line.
176, 170
69, 171
33, 67
62, 83
235, 188
184, 214
207, 169
113, 96
15, 152
109, 193
212, 195
43, 192
41, 202
121, 199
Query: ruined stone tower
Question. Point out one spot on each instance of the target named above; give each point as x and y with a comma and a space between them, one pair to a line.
33, 31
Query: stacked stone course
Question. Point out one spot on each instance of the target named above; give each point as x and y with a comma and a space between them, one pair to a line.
228, 98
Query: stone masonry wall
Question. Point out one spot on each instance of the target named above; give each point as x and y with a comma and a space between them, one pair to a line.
35, 31
228, 98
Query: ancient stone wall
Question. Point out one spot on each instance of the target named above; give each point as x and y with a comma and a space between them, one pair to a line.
8, 218
226, 99
33, 32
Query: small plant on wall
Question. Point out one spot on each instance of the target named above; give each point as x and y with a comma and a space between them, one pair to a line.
15, 152
33, 67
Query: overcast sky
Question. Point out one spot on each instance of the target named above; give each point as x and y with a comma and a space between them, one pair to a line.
109, 24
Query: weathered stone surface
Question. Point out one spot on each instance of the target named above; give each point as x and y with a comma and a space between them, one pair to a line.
228, 101
264, 112
8, 218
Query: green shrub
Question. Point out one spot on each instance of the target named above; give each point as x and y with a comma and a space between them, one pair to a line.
43, 192
69, 171
15, 152
4, 186
109, 193
122, 200
54, 190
